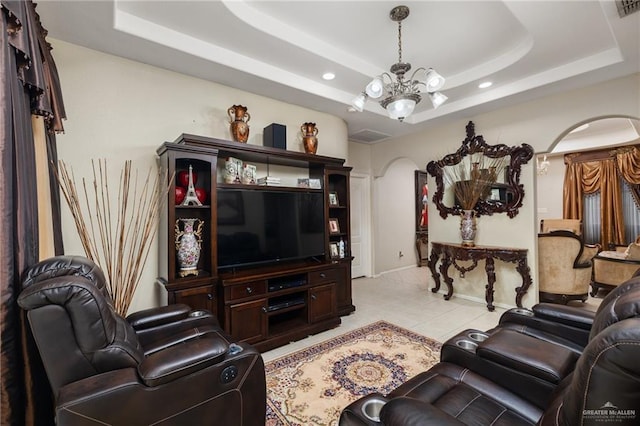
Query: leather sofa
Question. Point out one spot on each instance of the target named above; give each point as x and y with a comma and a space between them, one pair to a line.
502, 377
167, 365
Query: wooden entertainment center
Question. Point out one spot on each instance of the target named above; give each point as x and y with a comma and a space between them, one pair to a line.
270, 304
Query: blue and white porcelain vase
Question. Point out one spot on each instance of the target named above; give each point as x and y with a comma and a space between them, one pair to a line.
188, 245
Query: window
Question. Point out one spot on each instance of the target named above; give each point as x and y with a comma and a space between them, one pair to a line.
591, 218
630, 212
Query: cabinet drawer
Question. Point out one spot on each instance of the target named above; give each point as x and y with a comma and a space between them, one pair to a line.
326, 275
250, 289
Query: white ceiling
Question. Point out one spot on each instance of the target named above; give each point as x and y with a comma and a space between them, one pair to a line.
597, 134
280, 49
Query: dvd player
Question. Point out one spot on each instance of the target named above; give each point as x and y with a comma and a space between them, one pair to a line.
285, 304
282, 285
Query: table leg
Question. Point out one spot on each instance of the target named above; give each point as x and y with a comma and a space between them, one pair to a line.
433, 260
525, 272
489, 267
444, 270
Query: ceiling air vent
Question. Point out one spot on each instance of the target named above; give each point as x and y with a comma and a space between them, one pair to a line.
627, 7
367, 136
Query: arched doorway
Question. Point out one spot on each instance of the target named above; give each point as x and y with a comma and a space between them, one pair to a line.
582, 137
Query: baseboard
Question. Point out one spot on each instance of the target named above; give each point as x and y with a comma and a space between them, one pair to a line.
478, 300
403, 268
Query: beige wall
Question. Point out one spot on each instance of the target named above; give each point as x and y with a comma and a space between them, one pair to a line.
360, 157
120, 109
393, 221
549, 189
538, 123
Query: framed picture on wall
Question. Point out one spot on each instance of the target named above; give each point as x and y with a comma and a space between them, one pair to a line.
422, 199
422, 218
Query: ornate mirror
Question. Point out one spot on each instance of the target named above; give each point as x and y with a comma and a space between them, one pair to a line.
503, 195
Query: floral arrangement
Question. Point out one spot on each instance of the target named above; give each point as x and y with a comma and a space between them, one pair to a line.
116, 233
472, 180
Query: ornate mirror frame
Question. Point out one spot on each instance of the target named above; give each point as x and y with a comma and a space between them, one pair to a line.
475, 144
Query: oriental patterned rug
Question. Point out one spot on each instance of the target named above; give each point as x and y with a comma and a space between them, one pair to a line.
313, 385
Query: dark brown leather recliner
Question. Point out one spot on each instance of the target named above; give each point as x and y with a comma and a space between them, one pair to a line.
602, 385
166, 365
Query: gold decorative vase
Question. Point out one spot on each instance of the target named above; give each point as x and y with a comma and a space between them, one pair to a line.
309, 137
239, 117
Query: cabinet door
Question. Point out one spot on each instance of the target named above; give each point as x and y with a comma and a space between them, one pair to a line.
248, 321
322, 302
197, 298
343, 288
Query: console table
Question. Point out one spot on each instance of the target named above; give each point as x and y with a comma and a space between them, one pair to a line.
450, 254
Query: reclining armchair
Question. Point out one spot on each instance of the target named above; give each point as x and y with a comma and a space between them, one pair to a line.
496, 377
166, 365
564, 267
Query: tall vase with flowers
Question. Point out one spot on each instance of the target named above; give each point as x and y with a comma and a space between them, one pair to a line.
471, 181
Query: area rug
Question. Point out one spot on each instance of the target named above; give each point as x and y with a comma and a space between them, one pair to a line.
312, 386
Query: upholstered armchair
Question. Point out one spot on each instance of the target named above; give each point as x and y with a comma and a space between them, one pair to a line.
166, 365
613, 267
564, 267
550, 225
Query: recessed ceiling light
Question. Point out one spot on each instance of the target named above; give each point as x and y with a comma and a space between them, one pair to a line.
485, 84
328, 76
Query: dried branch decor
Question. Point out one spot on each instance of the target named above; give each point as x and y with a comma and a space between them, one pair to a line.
120, 242
471, 180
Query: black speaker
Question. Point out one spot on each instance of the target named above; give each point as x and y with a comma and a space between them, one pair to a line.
275, 136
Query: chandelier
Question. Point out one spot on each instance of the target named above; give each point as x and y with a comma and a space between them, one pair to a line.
399, 96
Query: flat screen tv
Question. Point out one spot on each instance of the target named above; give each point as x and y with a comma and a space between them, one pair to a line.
262, 226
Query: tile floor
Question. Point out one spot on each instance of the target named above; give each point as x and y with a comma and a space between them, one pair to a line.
404, 298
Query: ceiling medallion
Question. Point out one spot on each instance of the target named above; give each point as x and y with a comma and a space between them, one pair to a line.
400, 96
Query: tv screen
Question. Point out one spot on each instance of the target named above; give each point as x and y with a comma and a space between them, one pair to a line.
262, 226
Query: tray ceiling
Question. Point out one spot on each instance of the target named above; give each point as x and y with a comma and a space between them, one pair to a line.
280, 49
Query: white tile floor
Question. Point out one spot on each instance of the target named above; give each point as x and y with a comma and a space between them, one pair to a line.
405, 299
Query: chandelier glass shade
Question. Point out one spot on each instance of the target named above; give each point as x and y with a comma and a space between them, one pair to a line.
542, 166
397, 94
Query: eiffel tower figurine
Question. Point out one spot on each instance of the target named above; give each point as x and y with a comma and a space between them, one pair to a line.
191, 199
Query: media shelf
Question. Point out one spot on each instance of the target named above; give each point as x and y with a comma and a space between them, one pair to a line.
267, 188
287, 302
197, 289
274, 305
267, 305
203, 207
